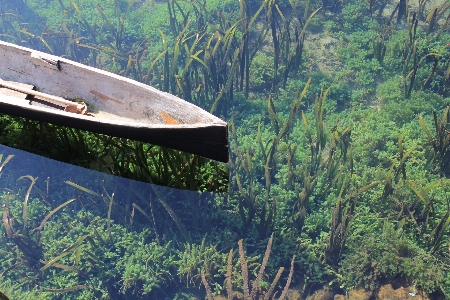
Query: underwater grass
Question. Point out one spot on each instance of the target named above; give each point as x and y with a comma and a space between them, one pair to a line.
343, 180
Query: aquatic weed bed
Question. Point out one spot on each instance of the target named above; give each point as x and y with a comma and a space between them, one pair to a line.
335, 149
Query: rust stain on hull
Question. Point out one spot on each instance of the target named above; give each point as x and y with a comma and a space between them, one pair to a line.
105, 98
169, 120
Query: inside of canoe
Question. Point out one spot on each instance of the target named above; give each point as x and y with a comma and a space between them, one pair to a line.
137, 111
106, 95
26, 94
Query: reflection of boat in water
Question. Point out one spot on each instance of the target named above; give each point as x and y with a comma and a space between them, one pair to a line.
47, 88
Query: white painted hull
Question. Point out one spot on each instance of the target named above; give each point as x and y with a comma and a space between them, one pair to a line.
116, 105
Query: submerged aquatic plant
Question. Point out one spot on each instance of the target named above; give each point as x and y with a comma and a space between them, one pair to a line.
433, 218
255, 292
342, 216
440, 142
29, 256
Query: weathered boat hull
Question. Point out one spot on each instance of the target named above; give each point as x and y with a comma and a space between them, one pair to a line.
117, 106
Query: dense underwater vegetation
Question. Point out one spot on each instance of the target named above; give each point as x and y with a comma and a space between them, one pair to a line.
339, 146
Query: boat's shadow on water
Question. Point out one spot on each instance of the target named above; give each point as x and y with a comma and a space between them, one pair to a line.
58, 178
40, 193
123, 157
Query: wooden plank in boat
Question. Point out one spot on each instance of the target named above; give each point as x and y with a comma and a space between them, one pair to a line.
8, 92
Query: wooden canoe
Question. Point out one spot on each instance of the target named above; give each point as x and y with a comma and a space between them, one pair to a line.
52, 89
